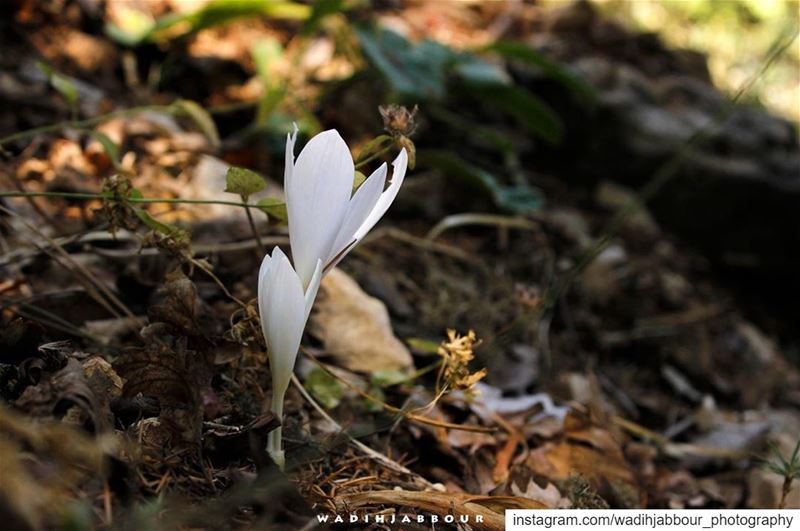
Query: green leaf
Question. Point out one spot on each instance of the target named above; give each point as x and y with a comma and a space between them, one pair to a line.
138, 28
325, 388
525, 53
533, 114
423, 345
243, 182
411, 70
109, 146
358, 180
200, 117
373, 146
159, 226
273, 207
472, 69
61, 83
388, 377
133, 28
266, 52
321, 9
519, 199
373, 406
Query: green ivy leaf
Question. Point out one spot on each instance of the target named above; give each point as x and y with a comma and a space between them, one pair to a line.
243, 182
527, 108
472, 69
325, 388
412, 70
274, 208
553, 70
518, 199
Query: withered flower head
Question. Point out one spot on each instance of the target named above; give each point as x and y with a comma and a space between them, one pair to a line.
117, 211
457, 352
398, 120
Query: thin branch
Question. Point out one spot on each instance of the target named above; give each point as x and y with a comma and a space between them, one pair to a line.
384, 460
80, 124
133, 200
392, 409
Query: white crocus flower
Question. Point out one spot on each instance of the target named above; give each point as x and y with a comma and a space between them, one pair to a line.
325, 222
284, 304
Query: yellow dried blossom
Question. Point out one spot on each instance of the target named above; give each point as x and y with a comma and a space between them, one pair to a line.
456, 353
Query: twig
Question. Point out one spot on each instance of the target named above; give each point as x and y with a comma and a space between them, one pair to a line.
85, 277
80, 124
132, 200
217, 281
474, 218
253, 228
787, 488
388, 407
422, 243
384, 460
374, 156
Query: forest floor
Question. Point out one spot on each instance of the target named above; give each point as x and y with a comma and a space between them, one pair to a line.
492, 344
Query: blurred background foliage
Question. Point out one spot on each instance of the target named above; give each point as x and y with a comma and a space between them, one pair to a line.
732, 33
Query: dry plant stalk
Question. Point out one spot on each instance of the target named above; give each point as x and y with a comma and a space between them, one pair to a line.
456, 353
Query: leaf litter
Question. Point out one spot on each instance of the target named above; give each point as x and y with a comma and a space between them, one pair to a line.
638, 392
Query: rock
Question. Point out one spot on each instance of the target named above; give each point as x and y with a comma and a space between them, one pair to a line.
735, 198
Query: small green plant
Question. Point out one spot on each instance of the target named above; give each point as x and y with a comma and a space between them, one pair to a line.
788, 468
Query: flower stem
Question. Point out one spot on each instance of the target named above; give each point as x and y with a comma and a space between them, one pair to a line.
374, 155
80, 124
254, 229
275, 437
106, 197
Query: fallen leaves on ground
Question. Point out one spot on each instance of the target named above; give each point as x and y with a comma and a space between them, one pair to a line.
355, 328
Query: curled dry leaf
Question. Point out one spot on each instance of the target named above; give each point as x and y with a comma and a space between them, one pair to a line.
589, 451
355, 327
70, 393
174, 366
490, 509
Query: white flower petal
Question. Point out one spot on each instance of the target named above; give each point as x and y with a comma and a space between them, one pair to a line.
399, 167
384, 202
313, 287
282, 306
264, 270
360, 206
317, 197
289, 164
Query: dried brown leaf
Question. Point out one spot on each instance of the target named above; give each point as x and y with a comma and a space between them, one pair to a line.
56, 395
355, 327
591, 452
